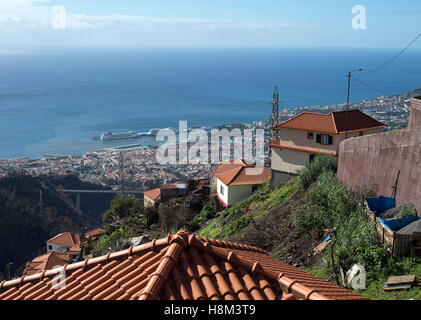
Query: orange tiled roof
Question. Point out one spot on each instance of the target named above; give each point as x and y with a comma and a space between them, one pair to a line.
154, 194
179, 267
95, 233
334, 122
44, 262
242, 174
256, 175
227, 166
66, 239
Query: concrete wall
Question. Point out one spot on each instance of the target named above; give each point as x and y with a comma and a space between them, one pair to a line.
415, 117
233, 194
377, 159
56, 248
279, 177
148, 202
286, 160
224, 194
238, 193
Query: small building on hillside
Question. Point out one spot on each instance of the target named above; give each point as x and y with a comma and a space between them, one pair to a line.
45, 262
65, 242
235, 183
151, 197
222, 167
95, 234
303, 137
164, 194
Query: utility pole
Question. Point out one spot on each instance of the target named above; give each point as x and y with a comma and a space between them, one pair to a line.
347, 101
275, 110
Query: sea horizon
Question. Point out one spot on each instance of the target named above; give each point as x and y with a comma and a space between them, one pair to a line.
54, 101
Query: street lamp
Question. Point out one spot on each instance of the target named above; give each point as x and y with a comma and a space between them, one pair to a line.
347, 101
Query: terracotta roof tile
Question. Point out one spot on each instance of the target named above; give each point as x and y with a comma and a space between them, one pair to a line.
334, 122
237, 172
44, 262
95, 233
179, 267
154, 194
67, 239
227, 166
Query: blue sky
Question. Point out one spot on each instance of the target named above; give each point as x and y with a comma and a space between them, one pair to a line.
208, 23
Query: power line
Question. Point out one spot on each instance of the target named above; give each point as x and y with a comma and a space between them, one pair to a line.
394, 57
372, 87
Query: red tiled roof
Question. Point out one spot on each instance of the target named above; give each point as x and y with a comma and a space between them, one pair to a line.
237, 172
154, 195
276, 144
44, 262
66, 239
179, 267
334, 122
256, 175
95, 233
227, 166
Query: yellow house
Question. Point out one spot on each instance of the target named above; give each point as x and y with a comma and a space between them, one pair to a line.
303, 137
151, 197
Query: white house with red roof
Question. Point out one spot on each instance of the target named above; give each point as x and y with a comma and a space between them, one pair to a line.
303, 137
65, 241
236, 180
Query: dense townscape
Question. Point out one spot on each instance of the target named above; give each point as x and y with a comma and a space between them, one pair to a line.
138, 168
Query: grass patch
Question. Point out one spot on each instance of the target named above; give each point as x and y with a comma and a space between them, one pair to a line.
236, 219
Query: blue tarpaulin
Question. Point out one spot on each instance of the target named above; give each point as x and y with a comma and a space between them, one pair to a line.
397, 224
380, 204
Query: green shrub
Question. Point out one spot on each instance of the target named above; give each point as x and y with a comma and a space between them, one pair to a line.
328, 203
321, 163
236, 225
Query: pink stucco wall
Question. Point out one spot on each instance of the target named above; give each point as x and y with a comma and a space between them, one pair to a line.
377, 159
415, 117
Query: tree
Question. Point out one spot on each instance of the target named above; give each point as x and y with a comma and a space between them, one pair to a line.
122, 208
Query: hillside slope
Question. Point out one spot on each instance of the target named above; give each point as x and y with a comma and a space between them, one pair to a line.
264, 220
25, 225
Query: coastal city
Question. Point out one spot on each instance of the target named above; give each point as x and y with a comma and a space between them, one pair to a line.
137, 167
163, 152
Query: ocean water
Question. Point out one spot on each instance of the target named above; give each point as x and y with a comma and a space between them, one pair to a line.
54, 101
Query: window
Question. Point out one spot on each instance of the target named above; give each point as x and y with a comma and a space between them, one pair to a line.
222, 190
361, 134
50, 247
324, 139
310, 135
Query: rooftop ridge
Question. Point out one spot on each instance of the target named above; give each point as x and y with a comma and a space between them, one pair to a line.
287, 284
227, 244
155, 244
152, 271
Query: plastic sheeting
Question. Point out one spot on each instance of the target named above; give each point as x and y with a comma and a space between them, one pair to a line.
380, 204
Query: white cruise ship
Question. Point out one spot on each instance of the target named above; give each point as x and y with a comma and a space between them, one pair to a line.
119, 136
